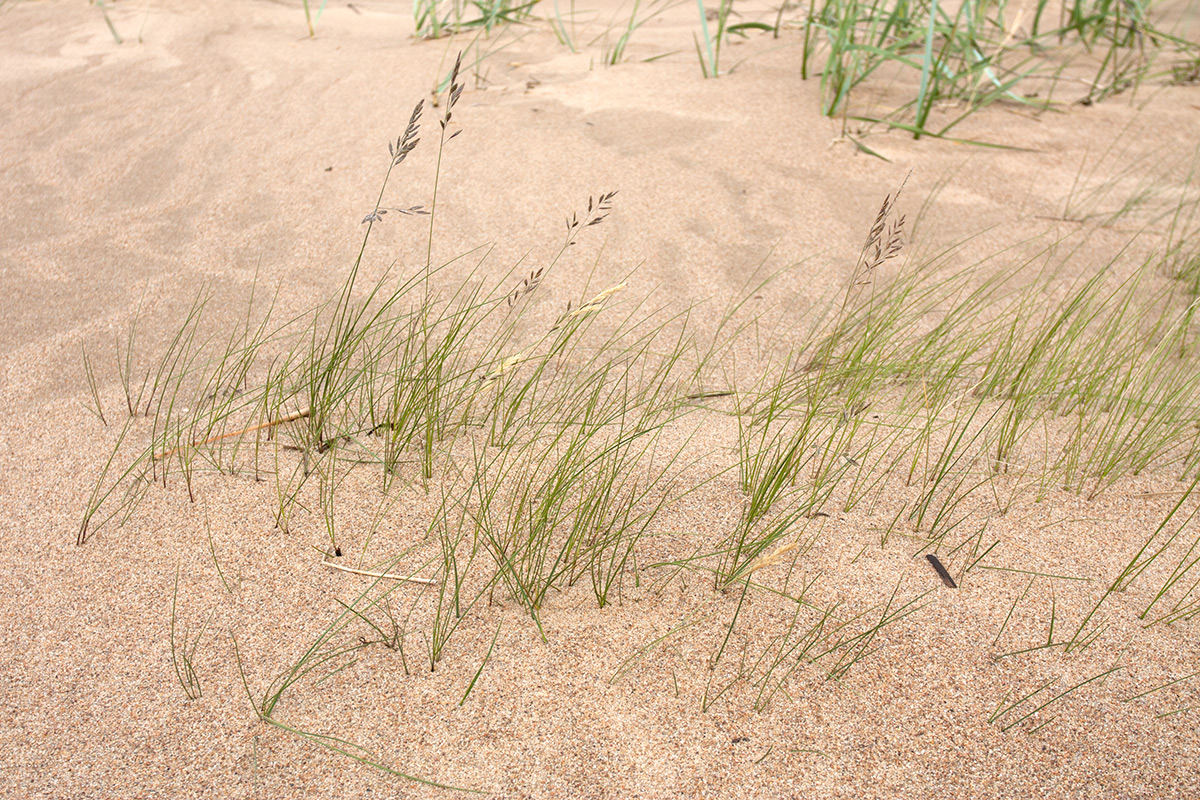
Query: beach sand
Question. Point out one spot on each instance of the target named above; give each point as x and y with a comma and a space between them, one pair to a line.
221, 149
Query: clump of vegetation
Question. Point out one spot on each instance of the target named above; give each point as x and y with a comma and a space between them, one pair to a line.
550, 450
976, 53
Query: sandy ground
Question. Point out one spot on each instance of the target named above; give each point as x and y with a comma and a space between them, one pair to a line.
219, 143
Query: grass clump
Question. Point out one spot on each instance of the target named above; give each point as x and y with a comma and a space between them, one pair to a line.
437, 18
547, 442
969, 55
184, 648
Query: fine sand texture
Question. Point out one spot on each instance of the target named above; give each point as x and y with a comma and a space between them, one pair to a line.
198, 643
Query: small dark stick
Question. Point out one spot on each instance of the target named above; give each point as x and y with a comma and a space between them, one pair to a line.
937, 565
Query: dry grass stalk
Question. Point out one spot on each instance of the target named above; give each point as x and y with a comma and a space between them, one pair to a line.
263, 426
763, 562
590, 305
507, 365
368, 574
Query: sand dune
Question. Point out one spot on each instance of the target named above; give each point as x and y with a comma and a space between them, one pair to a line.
220, 150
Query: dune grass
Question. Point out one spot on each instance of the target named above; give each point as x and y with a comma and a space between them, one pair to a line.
551, 440
434, 19
969, 55
942, 61
184, 648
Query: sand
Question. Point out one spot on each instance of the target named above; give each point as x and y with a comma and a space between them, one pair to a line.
220, 146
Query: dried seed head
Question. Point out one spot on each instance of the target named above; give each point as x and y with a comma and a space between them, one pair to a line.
590, 305
455, 92
597, 210
407, 140
884, 241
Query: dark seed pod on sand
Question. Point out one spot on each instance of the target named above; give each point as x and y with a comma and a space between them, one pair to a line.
941, 570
